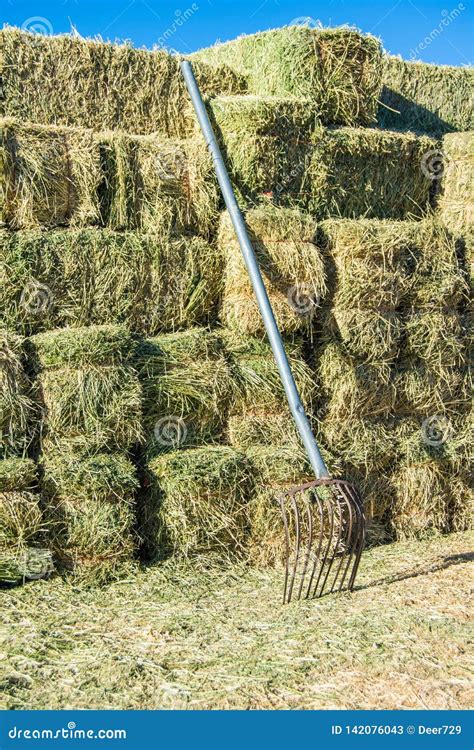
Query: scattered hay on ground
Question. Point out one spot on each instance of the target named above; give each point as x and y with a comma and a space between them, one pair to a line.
197, 502
187, 387
338, 69
90, 83
16, 405
291, 265
427, 98
80, 277
89, 508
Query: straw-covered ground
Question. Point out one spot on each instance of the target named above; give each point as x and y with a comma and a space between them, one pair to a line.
181, 637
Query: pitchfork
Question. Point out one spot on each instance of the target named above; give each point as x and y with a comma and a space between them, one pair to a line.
323, 520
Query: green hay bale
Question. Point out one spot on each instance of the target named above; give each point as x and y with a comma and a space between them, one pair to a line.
428, 98
354, 389
279, 465
89, 83
456, 199
436, 336
98, 407
56, 176
291, 264
51, 175
338, 69
197, 502
385, 264
257, 381
266, 144
17, 474
261, 427
16, 406
89, 506
421, 500
25, 564
371, 335
97, 276
461, 510
187, 386
76, 347
423, 390
360, 172
364, 443
21, 520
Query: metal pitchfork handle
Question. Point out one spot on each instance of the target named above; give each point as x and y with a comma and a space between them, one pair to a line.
332, 524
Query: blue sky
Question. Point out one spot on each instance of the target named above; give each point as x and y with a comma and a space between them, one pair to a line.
439, 31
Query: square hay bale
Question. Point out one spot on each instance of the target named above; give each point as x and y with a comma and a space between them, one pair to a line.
371, 335
338, 69
257, 380
94, 84
422, 390
292, 267
187, 386
16, 404
354, 389
437, 337
89, 505
197, 502
55, 176
50, 175
461, 508
80, 277
365, 172
367, 444
266, 143
87, 389
17, 474
421, 499
261, 427
426, 98
279, 464
22, 530
89, 345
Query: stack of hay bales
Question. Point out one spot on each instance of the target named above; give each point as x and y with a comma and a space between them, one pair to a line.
90, 402
87, 83
279, 147
425, 98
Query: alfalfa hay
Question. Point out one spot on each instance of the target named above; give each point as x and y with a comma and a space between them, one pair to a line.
426, 98
338, 69
79, 277
16, 404
292, 267
89, 506
197, 503
67, 80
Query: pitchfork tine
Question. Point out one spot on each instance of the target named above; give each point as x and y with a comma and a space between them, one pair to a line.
354, 540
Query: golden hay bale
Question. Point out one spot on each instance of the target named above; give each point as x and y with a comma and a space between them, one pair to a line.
422, 390
338, 69
421, 500
291, 264
89, 83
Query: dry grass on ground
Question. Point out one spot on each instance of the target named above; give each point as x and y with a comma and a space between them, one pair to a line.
180, 637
